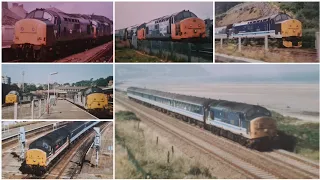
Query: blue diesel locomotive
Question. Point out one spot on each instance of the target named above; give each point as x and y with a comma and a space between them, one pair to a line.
280, 27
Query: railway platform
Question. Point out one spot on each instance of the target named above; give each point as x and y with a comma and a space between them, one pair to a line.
66, 110
7, 133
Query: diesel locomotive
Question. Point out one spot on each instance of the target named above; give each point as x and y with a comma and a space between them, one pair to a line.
286, 31
44, 151
250, 125
182, 25
93, 100
51, 30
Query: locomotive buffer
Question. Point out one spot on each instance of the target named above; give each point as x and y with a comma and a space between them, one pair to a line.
22, 141
97, 143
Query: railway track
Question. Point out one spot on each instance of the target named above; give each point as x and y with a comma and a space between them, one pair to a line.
102, 53
59, 167
253, 163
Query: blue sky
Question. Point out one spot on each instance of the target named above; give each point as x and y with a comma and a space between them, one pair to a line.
38, 73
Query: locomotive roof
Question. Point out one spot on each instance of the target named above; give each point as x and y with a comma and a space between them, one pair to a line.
262, 18
234, 106
178, 97
166, 16
53, 137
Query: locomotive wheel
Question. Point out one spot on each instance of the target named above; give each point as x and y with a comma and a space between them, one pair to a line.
41, 54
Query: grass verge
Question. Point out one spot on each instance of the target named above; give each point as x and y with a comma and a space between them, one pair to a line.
157, 160
306, 134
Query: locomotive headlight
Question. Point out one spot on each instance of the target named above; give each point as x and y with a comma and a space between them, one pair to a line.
265, 130
32, 29
198, 25
22, 29
190, 25
17, 38
39, 38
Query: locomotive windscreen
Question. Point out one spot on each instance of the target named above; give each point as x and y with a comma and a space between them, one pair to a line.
257, 112
93, 90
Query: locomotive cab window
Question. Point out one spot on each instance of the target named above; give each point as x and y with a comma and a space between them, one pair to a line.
47, 16
38, 14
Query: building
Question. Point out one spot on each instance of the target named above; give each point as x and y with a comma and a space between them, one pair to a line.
6, 80
18, 10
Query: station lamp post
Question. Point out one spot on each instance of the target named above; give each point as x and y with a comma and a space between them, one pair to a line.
48, 98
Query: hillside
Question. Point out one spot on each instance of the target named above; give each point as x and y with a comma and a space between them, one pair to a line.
306, 12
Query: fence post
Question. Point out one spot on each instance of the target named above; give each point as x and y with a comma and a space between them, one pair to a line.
221, 42
239, 44
266, 43
15, 111
189, 52
157, 140
32, 108
168, 157
39, 108
318, 45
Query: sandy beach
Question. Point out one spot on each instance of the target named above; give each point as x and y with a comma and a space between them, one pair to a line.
295, 100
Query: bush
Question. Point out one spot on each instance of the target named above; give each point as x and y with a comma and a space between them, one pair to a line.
126, 116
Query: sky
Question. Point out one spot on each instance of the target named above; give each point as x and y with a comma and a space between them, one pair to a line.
242, 73
98, 8
67, 73
131, 13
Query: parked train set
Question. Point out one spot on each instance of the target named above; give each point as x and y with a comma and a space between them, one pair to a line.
46, 150
180, 26
95, 101
50, 31
250, 125
281, 28
16, 97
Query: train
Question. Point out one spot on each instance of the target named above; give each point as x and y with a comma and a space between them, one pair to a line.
93, 100
50, 30
16, 97
249, 125
283, 29
44, 151
183, 25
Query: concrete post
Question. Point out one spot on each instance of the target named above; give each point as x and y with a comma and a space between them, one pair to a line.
318, 45
32, 108
22, 141
266, 43
189, 52
239, 44
221, 42
39, 108
15, 111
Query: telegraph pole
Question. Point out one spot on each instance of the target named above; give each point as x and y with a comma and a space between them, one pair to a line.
97, 143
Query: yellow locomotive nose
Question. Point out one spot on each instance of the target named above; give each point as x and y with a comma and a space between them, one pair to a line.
36, 157
30, 31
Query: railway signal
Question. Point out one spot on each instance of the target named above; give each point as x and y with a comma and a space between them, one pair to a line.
97, 143
22, 141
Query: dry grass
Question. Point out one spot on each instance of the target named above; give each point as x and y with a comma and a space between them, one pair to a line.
273, 55
153, 157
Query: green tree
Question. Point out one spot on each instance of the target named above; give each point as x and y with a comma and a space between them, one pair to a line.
40, 88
